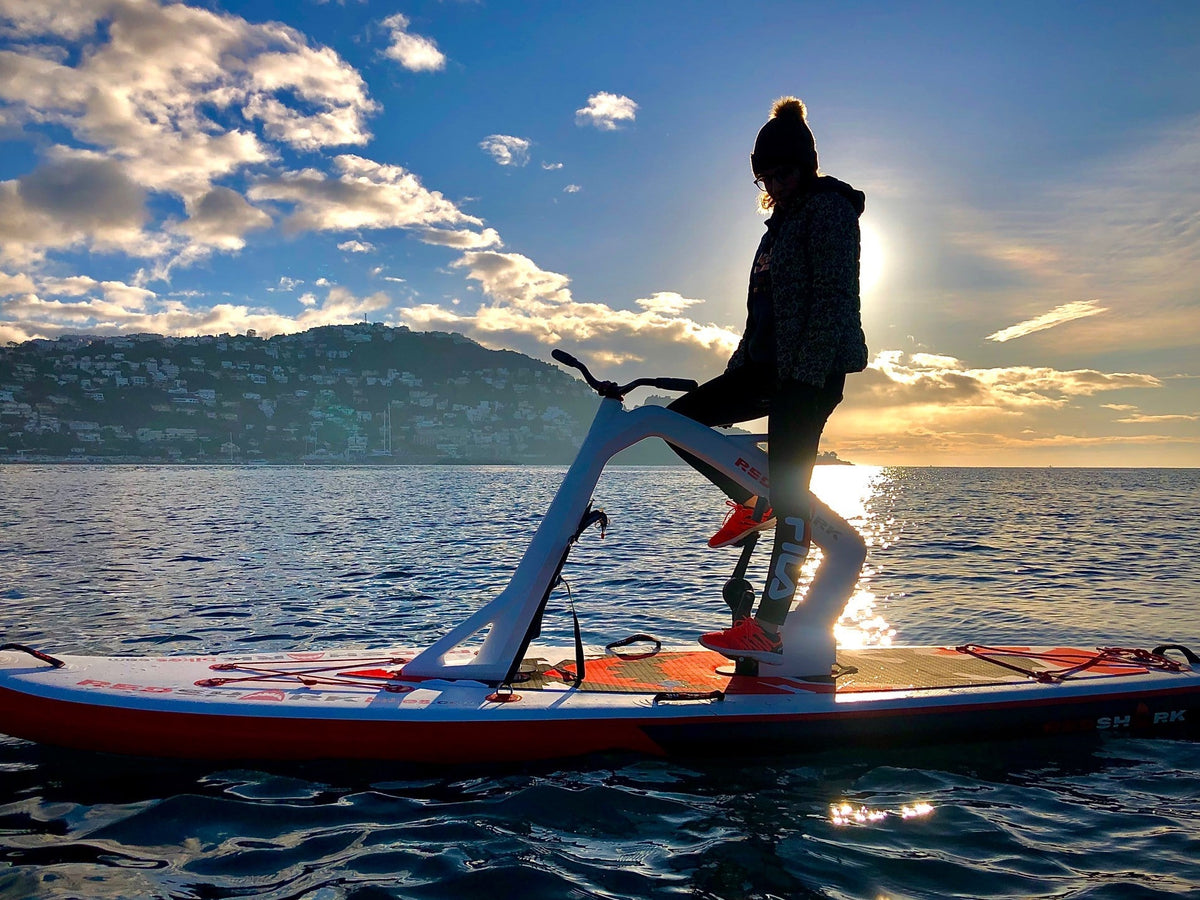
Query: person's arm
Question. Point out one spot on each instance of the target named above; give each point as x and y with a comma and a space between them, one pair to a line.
739, 355
812, 314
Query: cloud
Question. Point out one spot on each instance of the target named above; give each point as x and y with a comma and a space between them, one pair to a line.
551, 167
221, 218
1158, 420
73, 199
1123, 229
15, 284
82, 304
1068, 312
667, 302
911, 409
168, 89
506, 149
367, 194
63, 19
356, 246
898, 379
515, 279
607, 111
572, 189
117, 293
532, 310
414, 52
901, 394
462, 239
167, 99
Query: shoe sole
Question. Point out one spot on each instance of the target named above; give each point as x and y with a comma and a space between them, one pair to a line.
770, 657
739, 539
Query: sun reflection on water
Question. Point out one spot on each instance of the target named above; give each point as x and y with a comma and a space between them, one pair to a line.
847, 814
853, 492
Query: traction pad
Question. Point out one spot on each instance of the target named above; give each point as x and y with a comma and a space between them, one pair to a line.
879, 669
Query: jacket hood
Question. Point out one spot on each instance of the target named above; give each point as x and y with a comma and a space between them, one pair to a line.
829, 184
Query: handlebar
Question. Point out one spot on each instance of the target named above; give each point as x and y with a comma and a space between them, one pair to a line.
613, 391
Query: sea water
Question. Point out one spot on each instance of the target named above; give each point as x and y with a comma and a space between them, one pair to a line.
165, 560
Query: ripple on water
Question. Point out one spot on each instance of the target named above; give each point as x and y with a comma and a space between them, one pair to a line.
162, 560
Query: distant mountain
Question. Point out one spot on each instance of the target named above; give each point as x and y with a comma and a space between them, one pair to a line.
345, 393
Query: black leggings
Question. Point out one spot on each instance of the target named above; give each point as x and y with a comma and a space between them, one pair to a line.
796, 418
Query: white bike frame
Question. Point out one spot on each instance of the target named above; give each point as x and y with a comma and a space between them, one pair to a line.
807, 633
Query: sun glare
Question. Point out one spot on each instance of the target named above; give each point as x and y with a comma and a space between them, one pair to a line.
851, 491
872, 261
848, 814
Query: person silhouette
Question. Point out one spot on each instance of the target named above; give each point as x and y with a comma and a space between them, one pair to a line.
803, 336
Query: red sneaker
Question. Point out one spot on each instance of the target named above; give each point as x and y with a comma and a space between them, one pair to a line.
745, 639
739, 524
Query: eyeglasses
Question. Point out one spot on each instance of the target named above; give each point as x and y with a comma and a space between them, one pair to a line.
777, 174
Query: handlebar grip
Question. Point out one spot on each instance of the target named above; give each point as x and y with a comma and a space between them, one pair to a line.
566, 358
676, 384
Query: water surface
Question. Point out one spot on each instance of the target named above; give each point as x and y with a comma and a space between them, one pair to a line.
154, 560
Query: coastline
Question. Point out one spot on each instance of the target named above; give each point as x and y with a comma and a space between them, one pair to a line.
366, 461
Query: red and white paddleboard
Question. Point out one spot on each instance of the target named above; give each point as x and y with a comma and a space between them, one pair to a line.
684, 701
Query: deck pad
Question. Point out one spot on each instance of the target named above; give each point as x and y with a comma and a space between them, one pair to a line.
931, 668
871, 669
687, 671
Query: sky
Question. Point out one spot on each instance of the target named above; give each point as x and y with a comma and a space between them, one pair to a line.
565, 174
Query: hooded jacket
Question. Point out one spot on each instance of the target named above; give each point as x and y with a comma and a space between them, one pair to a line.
804, 319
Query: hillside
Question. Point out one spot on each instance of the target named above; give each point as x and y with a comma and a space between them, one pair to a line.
346, 393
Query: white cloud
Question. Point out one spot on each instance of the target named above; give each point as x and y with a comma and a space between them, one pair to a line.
367, 194
15, 284
667, 302
70, 20
515, 279
926, 378
551, 167
154, 89
414, 52
463, 239
506, 149
356, 246
532, 310
70, 305
117, 293
1068, 312
167, 96
607, 111
572, 189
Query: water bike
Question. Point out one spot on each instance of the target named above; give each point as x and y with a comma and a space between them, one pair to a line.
486, 691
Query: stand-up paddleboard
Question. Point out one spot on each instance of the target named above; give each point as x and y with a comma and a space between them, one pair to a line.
679, 701
484, 692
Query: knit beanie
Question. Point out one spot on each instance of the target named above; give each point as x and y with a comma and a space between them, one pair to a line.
785, 140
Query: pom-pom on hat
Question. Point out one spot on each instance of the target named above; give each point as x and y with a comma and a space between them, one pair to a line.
785, 140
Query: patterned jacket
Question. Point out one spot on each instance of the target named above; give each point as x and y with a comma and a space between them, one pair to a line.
804, 318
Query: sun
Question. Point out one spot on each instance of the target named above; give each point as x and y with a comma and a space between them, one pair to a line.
872, 261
